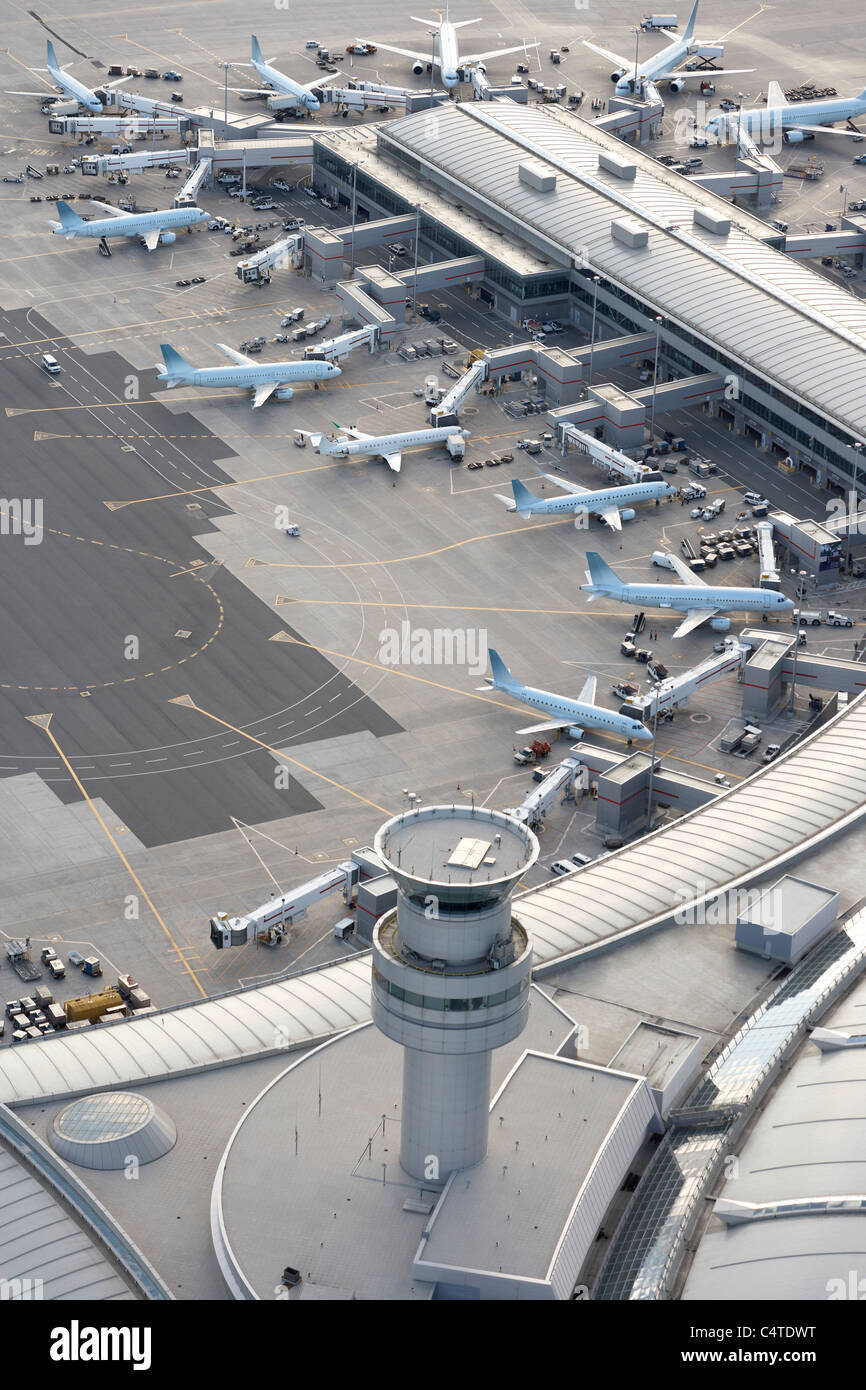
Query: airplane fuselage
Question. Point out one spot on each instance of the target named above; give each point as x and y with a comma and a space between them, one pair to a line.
385, 443
684, 599
449, 55
136, 225
253, 376
663, 61
281, 83
575, 712
765, 123
76, 90
598, 501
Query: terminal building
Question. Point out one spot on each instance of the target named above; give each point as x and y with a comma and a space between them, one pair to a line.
571, 219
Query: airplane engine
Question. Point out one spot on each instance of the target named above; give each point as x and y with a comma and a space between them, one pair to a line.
417, 67
720, 624
615, 76
283, 393
793, 137
627, 513
166, 238
676, 84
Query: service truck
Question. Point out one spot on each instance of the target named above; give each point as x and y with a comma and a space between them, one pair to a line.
456, 446
659, 21
89, 1008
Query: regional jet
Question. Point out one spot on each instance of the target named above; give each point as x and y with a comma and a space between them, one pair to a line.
794, 121
450, 62
263, 378
608, 504
70, 87
574, 715
387, 446
662, 66
291, 93
152, 228
698, 600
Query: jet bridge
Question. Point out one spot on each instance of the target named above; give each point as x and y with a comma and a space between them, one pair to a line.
667, 695
337, 349
767, 557
132, 163
201, 174
284, 254
609, 460
269, 924
559, 782
446, 412
114, 127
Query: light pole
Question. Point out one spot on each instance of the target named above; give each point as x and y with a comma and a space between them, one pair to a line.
649, 808
354, 209
595, 281
636, 45
801, 592
415, 269
659, 322
225, 67
855, 497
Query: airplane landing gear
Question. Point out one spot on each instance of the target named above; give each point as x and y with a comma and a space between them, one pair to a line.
104, 248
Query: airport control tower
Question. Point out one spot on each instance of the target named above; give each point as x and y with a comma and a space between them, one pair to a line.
451, 973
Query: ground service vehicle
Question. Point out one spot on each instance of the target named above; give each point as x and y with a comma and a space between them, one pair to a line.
835, 619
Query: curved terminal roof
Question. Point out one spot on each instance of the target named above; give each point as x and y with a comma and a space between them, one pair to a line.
733, 290
810, 793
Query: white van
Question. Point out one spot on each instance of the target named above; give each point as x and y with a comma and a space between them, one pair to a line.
662, 560
50, 364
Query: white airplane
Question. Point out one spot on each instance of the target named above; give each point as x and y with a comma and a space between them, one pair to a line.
606, 503
449, 61
574, 715
662, 66
263, 378
76, 90
292, 93
153, 228
388, 446
794, 120
694, 597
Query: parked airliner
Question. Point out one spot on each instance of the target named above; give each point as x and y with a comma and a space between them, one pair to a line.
608, 504
390, 447
661, 66
70, 86
153, 228
795, 120
262, 378
450, 62
693, 597
574, 715
291, 93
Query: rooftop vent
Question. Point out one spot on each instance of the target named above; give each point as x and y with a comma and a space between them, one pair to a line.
630, 232
615, 164
715, 222
536, 176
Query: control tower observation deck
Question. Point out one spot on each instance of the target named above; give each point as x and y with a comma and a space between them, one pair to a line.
451, 973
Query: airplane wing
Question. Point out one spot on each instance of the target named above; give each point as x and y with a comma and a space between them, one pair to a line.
606, 53
262, 392
546, 726
393, 461
702, 73
510, 503
107, 207
151, 239
611, 517
50, 92
775, 95
686, 575
404, 52
693, 620
321, 81
587, 694
564, 483
497, 53
830, 130
351, 431
239, 358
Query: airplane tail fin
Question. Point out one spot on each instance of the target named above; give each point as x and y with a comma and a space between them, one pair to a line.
690, 27
523, 498
601, 575
502, 677
69, 219
256, 51
52, 56
177, 368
